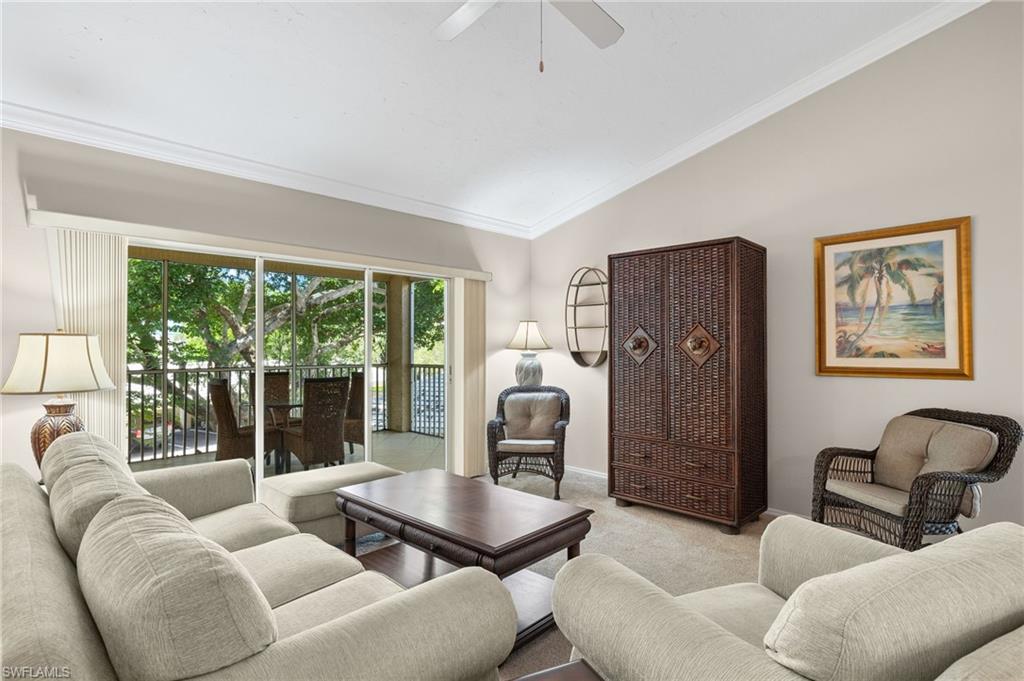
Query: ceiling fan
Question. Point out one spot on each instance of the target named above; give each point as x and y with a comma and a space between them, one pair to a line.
586, 15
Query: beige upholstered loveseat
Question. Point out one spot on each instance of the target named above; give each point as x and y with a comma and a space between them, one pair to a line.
828, 606
183, 576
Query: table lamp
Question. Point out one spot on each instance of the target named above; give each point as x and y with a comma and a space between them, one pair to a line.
528, 339
56, 363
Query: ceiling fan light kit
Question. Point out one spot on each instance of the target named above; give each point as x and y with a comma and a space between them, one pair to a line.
586, 15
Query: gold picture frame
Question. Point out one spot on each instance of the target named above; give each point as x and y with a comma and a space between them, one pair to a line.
895, 302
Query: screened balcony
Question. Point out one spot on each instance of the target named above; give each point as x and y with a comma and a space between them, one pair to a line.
191, 320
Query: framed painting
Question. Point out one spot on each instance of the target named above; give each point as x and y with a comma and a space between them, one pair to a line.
895, 302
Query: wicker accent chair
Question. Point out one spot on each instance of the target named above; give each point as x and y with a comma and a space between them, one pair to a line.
277, 387
319, 439
354, 413
923, 476
233, 442
528, 433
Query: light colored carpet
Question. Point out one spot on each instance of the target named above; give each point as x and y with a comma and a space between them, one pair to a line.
677, 553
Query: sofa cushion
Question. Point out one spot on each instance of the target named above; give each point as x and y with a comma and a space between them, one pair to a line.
80, 492
240, 527
77, 448
903, 449
998, 660
960, 448
333, 602
908, 616
746, 609
309, 495
531, 416
883, 498
527, 446
169, 603
285, 569
46, 623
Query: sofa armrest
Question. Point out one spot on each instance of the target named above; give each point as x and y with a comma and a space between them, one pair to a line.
458, 627
627, 629
202, 488
794, 549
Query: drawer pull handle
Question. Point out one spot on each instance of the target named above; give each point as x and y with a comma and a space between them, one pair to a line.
694, 497
637, 485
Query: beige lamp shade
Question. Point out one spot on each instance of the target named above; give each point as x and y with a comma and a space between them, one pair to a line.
528, 337
57, 363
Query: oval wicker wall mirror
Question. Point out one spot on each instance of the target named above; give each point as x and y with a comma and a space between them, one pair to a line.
586, 317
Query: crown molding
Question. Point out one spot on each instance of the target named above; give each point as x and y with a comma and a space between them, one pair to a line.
39, 122
901, 36
67, 128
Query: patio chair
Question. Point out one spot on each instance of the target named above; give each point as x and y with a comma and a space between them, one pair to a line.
277, 387
354, 413
925, 473
319, 438
233, 442
528, 433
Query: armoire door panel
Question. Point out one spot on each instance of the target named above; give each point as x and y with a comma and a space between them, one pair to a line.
638, 301
700, 392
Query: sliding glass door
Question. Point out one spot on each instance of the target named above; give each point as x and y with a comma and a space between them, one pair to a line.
348, 373
409, 338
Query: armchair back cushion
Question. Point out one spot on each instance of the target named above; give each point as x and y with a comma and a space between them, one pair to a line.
83, 472
162, 618
907, 616
75, 449
532, 416
912, 445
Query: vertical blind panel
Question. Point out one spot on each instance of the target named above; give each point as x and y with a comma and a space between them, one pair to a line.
94, 296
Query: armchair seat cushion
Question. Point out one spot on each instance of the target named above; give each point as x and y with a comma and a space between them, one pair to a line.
243, 526
887, 499
524, 446
291, 567
746, 610
332, 602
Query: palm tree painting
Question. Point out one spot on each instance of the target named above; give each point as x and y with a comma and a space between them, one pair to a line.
895, 302
889, 301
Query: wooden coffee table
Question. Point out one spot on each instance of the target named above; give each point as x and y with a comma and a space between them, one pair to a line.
446, 521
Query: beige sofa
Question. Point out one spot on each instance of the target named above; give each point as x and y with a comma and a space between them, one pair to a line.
176, 574
828, 606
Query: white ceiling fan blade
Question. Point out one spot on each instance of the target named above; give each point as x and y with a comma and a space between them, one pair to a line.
592, 21
461, 19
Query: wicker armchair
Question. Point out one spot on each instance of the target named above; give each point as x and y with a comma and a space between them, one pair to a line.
319, 439
354, 414
528, 433
233, 442
932, 501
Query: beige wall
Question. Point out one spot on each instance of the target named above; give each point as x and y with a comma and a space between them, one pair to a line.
87, 181
932, 131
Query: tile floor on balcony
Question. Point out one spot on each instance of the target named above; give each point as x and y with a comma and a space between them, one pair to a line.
403, 451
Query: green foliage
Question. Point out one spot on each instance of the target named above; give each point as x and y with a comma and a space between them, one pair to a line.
428, 321
211, 317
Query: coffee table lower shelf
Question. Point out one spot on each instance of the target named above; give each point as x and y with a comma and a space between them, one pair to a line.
531, 592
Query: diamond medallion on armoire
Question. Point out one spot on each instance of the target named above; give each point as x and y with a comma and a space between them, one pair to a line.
639, 345
699, 345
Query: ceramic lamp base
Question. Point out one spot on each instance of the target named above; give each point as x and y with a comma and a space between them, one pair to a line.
529, 370
60, 419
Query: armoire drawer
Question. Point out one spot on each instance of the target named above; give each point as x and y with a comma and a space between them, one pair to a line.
684, 495
705, 464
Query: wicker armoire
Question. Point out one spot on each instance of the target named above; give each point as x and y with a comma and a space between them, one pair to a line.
687, 386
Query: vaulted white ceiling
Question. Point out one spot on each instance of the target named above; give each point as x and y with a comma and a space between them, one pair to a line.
359, 101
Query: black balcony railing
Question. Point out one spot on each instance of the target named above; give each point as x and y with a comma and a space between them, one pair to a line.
428, 399
170, 413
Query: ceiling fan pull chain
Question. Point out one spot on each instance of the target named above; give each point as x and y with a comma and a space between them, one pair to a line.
541, 5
